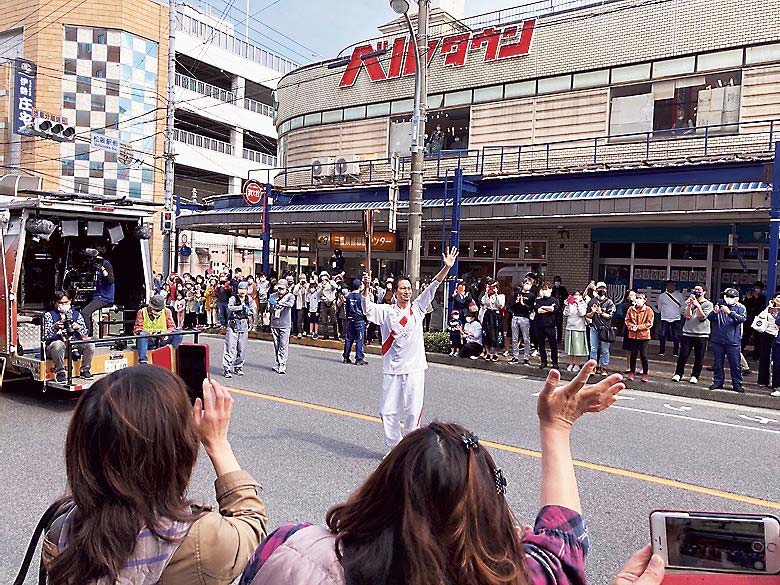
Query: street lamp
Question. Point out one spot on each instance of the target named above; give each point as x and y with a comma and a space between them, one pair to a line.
420, 41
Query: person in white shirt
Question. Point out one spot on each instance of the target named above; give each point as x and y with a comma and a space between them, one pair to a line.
300, 290
472, 334
575, 341
403, 351
670, 305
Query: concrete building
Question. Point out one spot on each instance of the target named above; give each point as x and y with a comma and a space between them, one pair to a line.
102, 67
618, 140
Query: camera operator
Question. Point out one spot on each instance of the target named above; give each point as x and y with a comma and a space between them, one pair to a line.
104, 287
60, 324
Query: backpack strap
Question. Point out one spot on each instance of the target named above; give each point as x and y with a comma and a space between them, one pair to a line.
58, 508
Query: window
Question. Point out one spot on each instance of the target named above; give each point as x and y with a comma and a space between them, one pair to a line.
312, 119
489, 94
613, 250
375, 110
447, 130
434, 249
435, 101
401, 106
68, 100
483, 249
762, 54
591, 79
719, 60
689, 252
70, 67
328, 117
355, 113
521, 89
639, 72
464, 249
96, 170
67, 168
552, 84
535, 251
651, 250
509, 250
457, 98
673, 67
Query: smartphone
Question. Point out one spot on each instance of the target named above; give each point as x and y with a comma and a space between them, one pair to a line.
717, 542
192, 366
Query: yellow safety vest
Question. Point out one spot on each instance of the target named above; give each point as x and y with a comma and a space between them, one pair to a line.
159, 325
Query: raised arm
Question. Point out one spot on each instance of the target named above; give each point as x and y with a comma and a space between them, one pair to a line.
558, 408
449, 262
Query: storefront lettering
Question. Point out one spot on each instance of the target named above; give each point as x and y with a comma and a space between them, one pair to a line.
355, 241
500, 43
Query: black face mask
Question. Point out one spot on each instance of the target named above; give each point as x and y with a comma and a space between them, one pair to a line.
601, 293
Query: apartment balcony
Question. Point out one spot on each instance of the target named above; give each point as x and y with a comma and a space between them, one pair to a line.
208, 100
217, 156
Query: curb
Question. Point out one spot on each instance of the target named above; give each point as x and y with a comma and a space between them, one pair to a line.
682, 389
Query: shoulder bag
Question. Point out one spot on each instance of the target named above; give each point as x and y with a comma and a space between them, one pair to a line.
761, 322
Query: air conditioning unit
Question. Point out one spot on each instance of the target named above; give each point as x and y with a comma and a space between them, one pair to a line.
322, 167
347, 165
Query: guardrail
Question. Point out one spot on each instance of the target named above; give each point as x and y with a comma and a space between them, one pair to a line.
202, 141
683, 145
258, 107
261, 157
204, 88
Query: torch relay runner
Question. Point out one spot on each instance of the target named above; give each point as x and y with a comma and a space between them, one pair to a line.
403, 351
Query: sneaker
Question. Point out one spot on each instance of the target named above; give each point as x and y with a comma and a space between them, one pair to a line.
361, 363
513, 361
661, 354
776, 393
526, 363
535, 353
227, 374
346, 360
281, 372
645, 378
474, 357
738, 388
676, 378
675, 355
575, 369
299, 336
61, 377
238, 371
506, 353
694, 380
495, 357
630, 376
569, 368
85, 373
716, 386
604, 371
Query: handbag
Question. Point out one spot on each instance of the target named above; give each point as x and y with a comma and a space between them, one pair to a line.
606, 333
58, 508
760, 322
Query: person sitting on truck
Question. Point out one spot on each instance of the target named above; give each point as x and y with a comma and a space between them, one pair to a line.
62, 323
103, 296
153, 319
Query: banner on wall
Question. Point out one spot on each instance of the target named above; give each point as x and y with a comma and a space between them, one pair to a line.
24, 97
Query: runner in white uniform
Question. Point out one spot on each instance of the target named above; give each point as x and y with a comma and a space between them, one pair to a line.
403, 351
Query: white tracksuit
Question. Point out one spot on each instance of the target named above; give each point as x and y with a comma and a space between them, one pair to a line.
403, 364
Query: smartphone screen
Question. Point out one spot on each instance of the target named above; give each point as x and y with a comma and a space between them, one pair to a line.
716, 544
192, 365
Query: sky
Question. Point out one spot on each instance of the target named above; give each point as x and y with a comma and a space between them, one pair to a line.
323, 27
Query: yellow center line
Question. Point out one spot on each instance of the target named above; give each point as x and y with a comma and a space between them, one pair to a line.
536, 454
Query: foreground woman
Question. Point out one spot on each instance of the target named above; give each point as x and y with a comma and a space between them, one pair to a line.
434, 512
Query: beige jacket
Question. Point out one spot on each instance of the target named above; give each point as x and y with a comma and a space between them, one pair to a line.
218, 545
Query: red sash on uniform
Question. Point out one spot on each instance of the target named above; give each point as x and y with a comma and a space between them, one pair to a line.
391, 338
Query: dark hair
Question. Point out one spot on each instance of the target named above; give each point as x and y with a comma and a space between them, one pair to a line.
59, 295
546, 284
129, 454
429, 514
398, 280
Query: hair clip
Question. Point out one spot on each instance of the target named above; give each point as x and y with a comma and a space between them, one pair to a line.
470, 440
498, 476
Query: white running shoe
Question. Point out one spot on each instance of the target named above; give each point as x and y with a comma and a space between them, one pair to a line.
535, 353
676, 378
474, 357
776, 393
575, 369
569, 368
694, 380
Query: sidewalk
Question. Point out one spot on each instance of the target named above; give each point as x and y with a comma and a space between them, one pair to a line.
661, 372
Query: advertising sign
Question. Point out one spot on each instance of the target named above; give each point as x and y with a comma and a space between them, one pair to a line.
253, 192
24, 97
355, 241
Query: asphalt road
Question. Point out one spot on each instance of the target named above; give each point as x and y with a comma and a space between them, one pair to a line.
311, 437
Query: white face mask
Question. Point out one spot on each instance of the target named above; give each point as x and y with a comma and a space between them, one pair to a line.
640, 302
63, 308
389, 286
731, 301
469, 319
526, 287
546, 293
577, 298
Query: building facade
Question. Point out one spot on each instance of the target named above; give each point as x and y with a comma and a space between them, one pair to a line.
103, 69
625, 141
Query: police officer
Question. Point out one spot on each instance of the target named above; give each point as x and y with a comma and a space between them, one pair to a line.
239, 310
356, 325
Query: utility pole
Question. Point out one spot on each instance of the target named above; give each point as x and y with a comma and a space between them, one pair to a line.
170, 110
418, 142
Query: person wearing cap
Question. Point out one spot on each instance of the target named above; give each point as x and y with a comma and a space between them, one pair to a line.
104, 282
600, 310
281, 304
727, 317
327, 291
237, 333
356, 325
154, 319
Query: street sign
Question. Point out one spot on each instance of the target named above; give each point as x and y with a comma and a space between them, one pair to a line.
24, 97
253, 192
104, 142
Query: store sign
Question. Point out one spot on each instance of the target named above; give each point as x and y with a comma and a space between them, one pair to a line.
253, 192
36, 113
355, 241
24, 97
499, 44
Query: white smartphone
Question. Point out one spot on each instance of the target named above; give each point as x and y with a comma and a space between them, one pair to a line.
717, 542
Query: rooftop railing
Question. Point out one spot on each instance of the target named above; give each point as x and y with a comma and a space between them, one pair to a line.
202, 141
687, 145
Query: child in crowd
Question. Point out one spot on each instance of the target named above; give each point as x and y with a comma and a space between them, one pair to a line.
190, 310
575, 340
639, 322
179, 307
455, 330
313, 304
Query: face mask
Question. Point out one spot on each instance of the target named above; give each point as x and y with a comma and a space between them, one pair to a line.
640, 303
577, 298
601, 293
389, 286
526, 287
546, 293
556, 283
697, 293
455, 316
63, 308
731, 301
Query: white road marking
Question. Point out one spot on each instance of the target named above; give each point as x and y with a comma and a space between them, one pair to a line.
621, 397
759, 419
677, 408
695, 419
